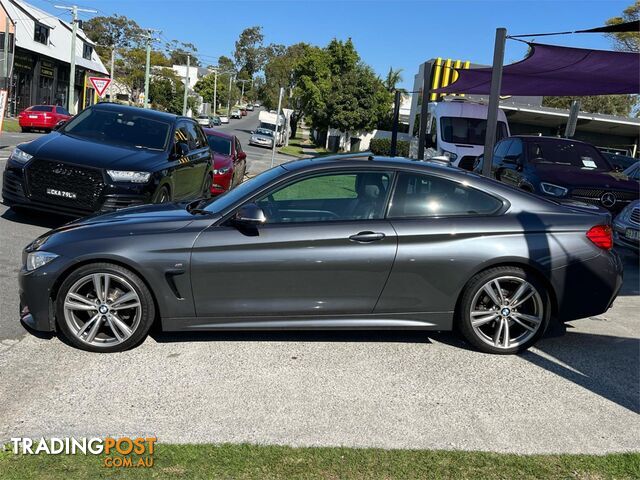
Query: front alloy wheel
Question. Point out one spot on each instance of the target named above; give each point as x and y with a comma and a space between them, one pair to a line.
505, 310
104, 307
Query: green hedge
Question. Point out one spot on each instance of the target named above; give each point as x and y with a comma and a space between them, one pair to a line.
382, 146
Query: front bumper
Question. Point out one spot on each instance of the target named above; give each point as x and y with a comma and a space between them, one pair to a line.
15, 193
620, 238
35, 290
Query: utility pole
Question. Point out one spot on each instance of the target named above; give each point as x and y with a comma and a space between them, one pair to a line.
494, 100
242, 94
5, 62
275, 134
113, 62
394, 129
72, 73
215, 90
186, 87
229, 97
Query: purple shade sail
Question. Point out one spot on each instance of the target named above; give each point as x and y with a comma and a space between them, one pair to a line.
561, 71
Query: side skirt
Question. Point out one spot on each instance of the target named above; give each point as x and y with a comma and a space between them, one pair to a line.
381, 321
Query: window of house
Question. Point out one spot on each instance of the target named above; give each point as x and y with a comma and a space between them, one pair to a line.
41, 34
87, 51
418, 195
10, 42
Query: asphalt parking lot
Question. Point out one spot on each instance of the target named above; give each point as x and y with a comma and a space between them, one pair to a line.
575, 392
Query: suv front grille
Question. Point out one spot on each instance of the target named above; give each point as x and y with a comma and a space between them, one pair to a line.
596, 193
64, 184
635, 216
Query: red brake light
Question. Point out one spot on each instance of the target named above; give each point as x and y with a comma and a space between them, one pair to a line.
601, 236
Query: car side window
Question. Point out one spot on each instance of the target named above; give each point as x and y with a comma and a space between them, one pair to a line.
419, 195
328, 197
61, 111
182, 134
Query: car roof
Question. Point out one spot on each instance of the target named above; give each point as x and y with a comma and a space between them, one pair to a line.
146, 112
217, 133
545, 139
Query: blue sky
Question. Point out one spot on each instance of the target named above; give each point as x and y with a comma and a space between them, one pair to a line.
387, 33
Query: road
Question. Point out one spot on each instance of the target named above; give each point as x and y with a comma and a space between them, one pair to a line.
576, 392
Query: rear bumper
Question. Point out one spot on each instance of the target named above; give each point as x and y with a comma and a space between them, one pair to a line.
587, 288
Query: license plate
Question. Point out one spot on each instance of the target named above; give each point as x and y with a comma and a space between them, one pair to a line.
33, 116
61, 193
632, 234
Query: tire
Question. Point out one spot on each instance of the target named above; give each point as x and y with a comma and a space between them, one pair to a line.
25, 129
510, 325
162, 195
109, 334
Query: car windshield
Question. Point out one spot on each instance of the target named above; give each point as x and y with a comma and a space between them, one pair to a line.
245, 189
264, 131
633, 171
119, 128
468, 131
41, 108
203, 117
219, 145
567, 154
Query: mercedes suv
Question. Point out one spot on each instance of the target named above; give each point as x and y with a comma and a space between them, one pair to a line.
108, 157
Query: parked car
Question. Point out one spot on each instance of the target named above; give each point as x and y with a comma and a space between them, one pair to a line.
224, 119
230, 161
262, 137
107, 157
250, 107
626, 226
348, 242
633, 171
235, 113
619, 161
215, 121
204, 120
561, 169
42, 117
243, 111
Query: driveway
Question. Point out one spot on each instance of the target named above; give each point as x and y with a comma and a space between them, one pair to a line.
577, 392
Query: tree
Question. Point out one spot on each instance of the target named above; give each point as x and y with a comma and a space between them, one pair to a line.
205, 87
394, 77
278, 72
166, 92
249, 53
116, 30
626, 41
178, 51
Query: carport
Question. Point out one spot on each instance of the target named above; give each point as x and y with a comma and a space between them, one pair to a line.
546, 70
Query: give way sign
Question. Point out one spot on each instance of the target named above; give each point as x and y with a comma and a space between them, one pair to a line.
100, 84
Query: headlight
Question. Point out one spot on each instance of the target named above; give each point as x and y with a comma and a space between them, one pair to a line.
127, 176
554, 190
19, 156
221, 171
38, 259
450, 155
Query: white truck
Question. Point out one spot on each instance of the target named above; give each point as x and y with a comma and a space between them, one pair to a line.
456, 129
269, 120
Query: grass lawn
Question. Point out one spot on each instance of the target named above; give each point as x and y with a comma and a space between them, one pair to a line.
10, 125
295, 146
275, 462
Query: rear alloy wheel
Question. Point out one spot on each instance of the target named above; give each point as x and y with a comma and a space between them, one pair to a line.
505, 310
104, 308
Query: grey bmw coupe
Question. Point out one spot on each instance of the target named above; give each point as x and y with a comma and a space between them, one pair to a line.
342, 242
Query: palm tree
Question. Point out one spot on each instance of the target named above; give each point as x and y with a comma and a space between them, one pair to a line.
393, 78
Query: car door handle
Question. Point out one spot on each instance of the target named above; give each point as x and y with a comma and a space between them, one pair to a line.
365, 237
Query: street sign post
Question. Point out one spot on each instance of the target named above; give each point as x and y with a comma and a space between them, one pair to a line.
3, 106
100, 84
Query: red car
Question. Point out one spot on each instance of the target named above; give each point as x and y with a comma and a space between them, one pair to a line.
42, 117
229, 160
243, 112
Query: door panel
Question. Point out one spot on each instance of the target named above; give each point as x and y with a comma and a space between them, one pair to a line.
291, 269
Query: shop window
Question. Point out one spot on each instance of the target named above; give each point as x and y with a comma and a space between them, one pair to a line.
41, 34
10, 42
87, 50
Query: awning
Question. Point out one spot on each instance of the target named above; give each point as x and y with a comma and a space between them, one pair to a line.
558, 71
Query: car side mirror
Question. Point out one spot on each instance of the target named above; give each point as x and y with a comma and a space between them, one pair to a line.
250, 214
181, 150
512, 159
59, 125
242, 156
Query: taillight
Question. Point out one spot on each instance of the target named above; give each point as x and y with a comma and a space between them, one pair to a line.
601, 236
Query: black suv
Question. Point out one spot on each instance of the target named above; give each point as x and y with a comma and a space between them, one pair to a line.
108, 157
563, 169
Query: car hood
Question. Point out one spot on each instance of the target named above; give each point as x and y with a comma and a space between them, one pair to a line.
261, 137
574, 178
64, 148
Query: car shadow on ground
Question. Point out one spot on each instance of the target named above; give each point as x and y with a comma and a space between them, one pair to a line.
35, 218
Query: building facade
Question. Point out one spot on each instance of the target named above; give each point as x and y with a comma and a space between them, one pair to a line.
40, 69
